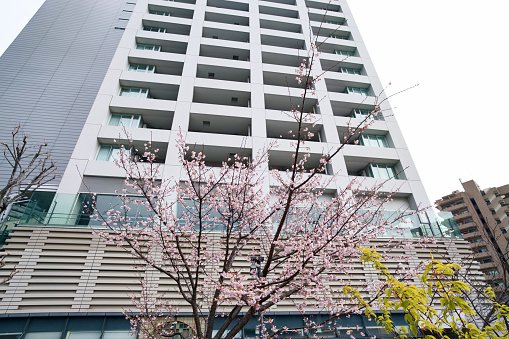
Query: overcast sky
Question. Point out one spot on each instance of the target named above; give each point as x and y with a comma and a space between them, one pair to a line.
456, 122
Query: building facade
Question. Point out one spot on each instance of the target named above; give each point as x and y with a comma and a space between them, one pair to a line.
482, 216
219, 72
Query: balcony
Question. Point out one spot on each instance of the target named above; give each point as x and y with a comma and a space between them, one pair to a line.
284, 2
291, 60
280, 79
280, 26
167, 26
375, 168
216, 156
156, 66
283, 161
223, 73
223, 34
482, 255
205, 123
157, 43
331, 34
227, 19
325, 20
347, 81
344, 49
238, 6
287, 40
224, 52
223, 97
183, 1
160, 86
288, 130
278, 11
324, 6
471, 235
149, 119
176, 12
286, 103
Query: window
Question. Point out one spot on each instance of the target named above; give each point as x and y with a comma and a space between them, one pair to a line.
460, 212
357, 91
342, 37
346, 53
381, 171
118, 335
333, 22
83, 335
154, 29
43, 335
134, 92
481, 250
142, 68
126, 120
211, 75
145, 47
373, 141
362, 113
110, 153
486, 261
159, 13
491, 272
350, 70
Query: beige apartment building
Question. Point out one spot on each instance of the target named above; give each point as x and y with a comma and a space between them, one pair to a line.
482, 216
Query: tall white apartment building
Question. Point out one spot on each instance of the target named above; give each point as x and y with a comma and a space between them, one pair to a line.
221, 73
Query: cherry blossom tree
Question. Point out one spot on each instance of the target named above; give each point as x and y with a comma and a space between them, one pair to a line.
235, 246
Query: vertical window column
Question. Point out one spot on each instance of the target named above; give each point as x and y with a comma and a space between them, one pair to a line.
330, 132
258, 122
186, 89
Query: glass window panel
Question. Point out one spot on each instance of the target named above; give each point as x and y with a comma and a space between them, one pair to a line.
382, 141
115, 120
372, 141
118, 335
136, 121
84, 335
374, 171
392, 172
43, 335
148, 47
115, 153
384, 172
150, 69
104, 153
125, 120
